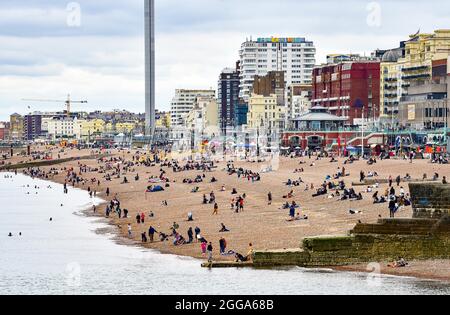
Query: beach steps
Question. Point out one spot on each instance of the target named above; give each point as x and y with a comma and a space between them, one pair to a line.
226, 264
412, 227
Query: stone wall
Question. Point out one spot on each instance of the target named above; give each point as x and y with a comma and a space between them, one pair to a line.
430, 200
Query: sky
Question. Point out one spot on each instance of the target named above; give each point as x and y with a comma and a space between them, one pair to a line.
94, 50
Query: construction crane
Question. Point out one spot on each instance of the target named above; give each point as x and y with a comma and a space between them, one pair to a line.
68, 102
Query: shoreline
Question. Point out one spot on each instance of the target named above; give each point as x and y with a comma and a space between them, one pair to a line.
116, 228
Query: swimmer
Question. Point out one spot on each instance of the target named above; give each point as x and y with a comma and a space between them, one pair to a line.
10, 234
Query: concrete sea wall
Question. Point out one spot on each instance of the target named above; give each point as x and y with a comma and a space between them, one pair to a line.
430, 200
385, 241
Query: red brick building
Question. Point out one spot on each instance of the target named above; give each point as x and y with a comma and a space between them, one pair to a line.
348, 87
4, 130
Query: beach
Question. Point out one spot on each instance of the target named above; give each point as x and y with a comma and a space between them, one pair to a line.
264, 226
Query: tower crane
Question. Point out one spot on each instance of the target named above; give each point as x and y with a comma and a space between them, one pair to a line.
68, 102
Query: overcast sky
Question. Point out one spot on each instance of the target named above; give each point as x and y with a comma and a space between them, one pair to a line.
48, 51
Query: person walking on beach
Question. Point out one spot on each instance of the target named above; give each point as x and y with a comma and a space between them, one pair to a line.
392, 207
144, 237
138, 218
143, 218
223, 246
216, 209
197, 232
151, 233
190, 235
270, 198
129, 231
210, 252
107, 192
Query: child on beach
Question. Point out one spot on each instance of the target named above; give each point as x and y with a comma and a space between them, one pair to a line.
203, 247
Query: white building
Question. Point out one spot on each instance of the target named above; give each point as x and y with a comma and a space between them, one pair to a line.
184, 101
65, 128
295, 56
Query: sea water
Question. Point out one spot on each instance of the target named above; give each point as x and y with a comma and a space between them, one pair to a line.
65, 255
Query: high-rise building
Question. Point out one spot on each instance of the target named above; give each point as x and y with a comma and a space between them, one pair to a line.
296, 57
392, 87
184, 101
228, 97
348, 89
149, 66
32, 126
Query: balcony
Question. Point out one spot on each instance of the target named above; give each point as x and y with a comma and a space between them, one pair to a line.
390, 87
416, 76
416, 68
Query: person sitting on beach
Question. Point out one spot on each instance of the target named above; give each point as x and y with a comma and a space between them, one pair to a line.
240, 258
321, 191
224, 229
190, 217
400, 263
298, 217
195, 190
289, 195
163, 237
